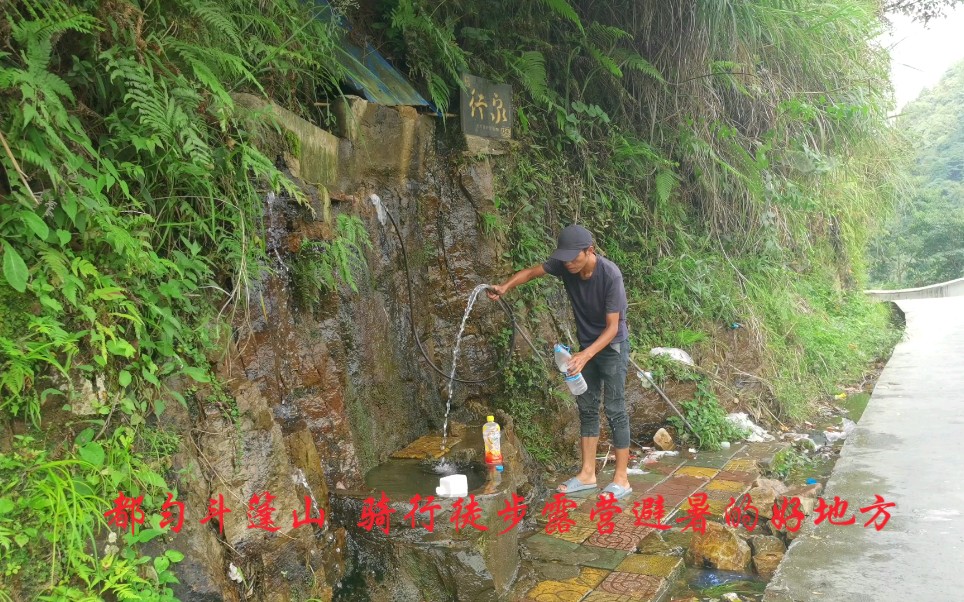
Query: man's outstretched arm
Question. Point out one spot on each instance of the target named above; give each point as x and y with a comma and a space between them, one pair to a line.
520, 277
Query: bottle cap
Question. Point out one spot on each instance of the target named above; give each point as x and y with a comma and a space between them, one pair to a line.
499, 468
490, 418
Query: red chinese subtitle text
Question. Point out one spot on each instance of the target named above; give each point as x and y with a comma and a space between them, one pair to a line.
127, 513
787, 513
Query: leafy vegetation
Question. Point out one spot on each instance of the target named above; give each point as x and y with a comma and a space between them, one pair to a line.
924, 243
707, 419
787, 461
319, 267
522, 377
131, 200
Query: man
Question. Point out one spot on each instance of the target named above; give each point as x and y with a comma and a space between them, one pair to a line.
595, 288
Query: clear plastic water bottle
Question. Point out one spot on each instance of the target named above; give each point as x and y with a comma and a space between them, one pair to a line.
576, 383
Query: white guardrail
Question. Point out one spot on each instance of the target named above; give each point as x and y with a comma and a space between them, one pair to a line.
951, 288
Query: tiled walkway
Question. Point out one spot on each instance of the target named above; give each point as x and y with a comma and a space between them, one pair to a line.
609, 567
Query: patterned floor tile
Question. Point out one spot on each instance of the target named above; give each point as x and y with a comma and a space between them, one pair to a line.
619, 539
724, 485
569, 590
597, 596
711, 459
682, 481
655, 566
603, 558
739, 476
663, 467
696, 471
639, 587
724, 496
575, 534
717, 508
642, 481
742, 464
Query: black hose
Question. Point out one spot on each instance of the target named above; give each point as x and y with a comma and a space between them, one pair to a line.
411, 319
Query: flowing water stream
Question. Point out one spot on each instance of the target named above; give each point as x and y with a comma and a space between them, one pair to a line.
455, 356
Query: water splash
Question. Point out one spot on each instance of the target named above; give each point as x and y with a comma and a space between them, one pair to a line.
379, 209
300, 479
473, 296
445, 467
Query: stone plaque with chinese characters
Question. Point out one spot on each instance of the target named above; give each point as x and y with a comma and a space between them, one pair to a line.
486, 108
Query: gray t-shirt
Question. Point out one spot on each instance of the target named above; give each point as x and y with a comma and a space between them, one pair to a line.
603, 293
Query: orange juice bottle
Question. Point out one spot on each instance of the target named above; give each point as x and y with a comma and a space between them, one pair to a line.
492, 437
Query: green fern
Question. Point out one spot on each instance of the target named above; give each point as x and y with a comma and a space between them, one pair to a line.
631, 60
665, 183
563, 9
530, 68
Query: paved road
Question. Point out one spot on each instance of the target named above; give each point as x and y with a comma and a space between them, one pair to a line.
908, 448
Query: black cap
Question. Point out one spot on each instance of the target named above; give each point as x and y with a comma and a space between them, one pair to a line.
572, 240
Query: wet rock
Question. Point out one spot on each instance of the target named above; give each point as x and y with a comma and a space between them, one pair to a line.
311, 153
805, 491
331, 390
768, 551
720, 548
663, 440
447, 564
654, 544
476, 181
86, 397
765, 493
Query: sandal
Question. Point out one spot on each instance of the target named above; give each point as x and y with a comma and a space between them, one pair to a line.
617, 491
574, 484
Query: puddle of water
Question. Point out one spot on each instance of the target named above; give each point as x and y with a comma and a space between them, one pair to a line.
705, 583
401, 479
855, 405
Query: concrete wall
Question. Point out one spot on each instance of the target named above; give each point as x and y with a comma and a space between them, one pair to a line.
951, 288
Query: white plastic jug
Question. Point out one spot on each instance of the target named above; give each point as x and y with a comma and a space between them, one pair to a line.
456, 485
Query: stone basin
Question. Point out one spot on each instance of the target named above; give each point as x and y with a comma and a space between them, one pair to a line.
454, 561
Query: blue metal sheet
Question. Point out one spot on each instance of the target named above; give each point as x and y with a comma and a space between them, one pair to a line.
368, 71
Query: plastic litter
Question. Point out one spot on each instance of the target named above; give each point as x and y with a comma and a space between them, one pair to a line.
757, 433
636, 471
456, 485
847, 428
677, 354
654, 456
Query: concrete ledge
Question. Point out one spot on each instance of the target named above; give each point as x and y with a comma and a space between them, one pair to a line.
951, 288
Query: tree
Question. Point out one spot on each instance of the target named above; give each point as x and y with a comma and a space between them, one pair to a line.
921, 10
925, 244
